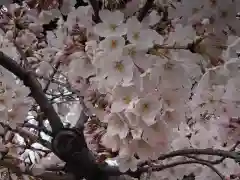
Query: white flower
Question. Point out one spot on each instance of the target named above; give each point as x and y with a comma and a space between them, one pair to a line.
112, 24
112, 142
27, 38
181, 35
155, 37
160, 130
136, 133
82, 16
112, 43
67, 6
232, 90
37, 169
117, 125
173, 75
152, 19
9, 35
181, 142
233, 49
200, 139
119, 69
149, 80
56, 39
144, 150
21, 92
122, 97
35, 27
44, 69
131, 7
133, 120
229, 167
126, 159
233, 67
134, 51
136, 35
172, 117
19, 111
46, 16
80, 65
126, 163
147, 107
139, 56
4, 2
8, 48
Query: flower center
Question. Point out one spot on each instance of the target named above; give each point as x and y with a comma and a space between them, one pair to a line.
145, 107
136, 35
132, 52
113, 44
119, 67
127, 99
113, 27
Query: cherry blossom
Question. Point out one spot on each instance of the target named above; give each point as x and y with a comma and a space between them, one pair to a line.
151, 77
112, 24
147, 107
112, 43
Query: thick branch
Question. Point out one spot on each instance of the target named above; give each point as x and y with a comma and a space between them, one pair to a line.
30, 81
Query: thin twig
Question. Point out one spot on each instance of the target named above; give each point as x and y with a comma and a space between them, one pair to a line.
55, 70
218, 161
113, 171
174, 164
187, 152
209, 151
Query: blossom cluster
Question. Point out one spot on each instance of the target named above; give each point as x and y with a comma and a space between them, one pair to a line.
161, 90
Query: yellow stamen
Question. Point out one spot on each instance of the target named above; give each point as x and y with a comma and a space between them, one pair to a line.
114, 44
132, 52
113, 27
145, 107
136, 35
119, 66
127, 99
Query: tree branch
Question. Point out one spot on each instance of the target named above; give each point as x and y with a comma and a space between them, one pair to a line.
218, 161
170, 165
82, 120
95, 6
30, 81
144, 10
214, 152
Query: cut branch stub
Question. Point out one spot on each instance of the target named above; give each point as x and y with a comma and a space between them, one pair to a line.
70, 146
